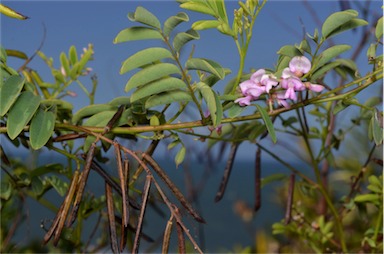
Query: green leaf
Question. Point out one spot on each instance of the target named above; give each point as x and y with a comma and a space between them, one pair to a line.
144, 57
371, 102
5, 190
57, 102
340, 106
174, 21
375, 181
21, 113
37, 186
85, 59
180, 156
151, 73
335, 21
58, 184
3, 55
144, 16
42, 126
379, 29
377, 130
213, 102
198, 7
46, 169
205, 24
207, 65
219, 7
366, 198
137, 33
154, 121
211, 80
371, 52
182, 38
16, 53
156, 87
235, 110
167, 98
91, 110
304, 45
353, 23
320, 72
11, 13
122, 100
9, 92
329, 54
289, 50
73, 58
268, 122
64, 63
100, 119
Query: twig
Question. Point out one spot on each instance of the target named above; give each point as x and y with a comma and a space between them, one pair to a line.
120, 169
167, 235
145, 196
37, 50
172, 187
257, 180
291, 189
111, 218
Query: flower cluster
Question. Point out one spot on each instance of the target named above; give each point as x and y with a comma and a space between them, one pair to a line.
285, 88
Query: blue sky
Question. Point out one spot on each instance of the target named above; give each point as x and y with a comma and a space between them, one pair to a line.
98, 22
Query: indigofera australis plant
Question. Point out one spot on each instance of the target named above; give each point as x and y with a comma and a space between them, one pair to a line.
35, 115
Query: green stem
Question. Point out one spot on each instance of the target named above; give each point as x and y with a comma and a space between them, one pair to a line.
323, 190
184, 75
243, 47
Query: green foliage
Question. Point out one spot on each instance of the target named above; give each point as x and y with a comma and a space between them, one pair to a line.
21, 113
10, 90
42, 127
339, 22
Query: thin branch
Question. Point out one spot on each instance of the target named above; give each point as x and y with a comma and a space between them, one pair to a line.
145, 196
111, 218
291, 189
257, 180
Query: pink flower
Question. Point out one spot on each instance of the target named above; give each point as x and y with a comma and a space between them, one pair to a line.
259, 83
299, 65
279, 97
257, 75
313, 87
244, 101
292, 85
251, 88
268, 81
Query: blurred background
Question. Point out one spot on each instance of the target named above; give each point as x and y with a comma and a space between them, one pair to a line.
79, 23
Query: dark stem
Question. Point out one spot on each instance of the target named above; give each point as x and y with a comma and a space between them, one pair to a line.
227, 172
